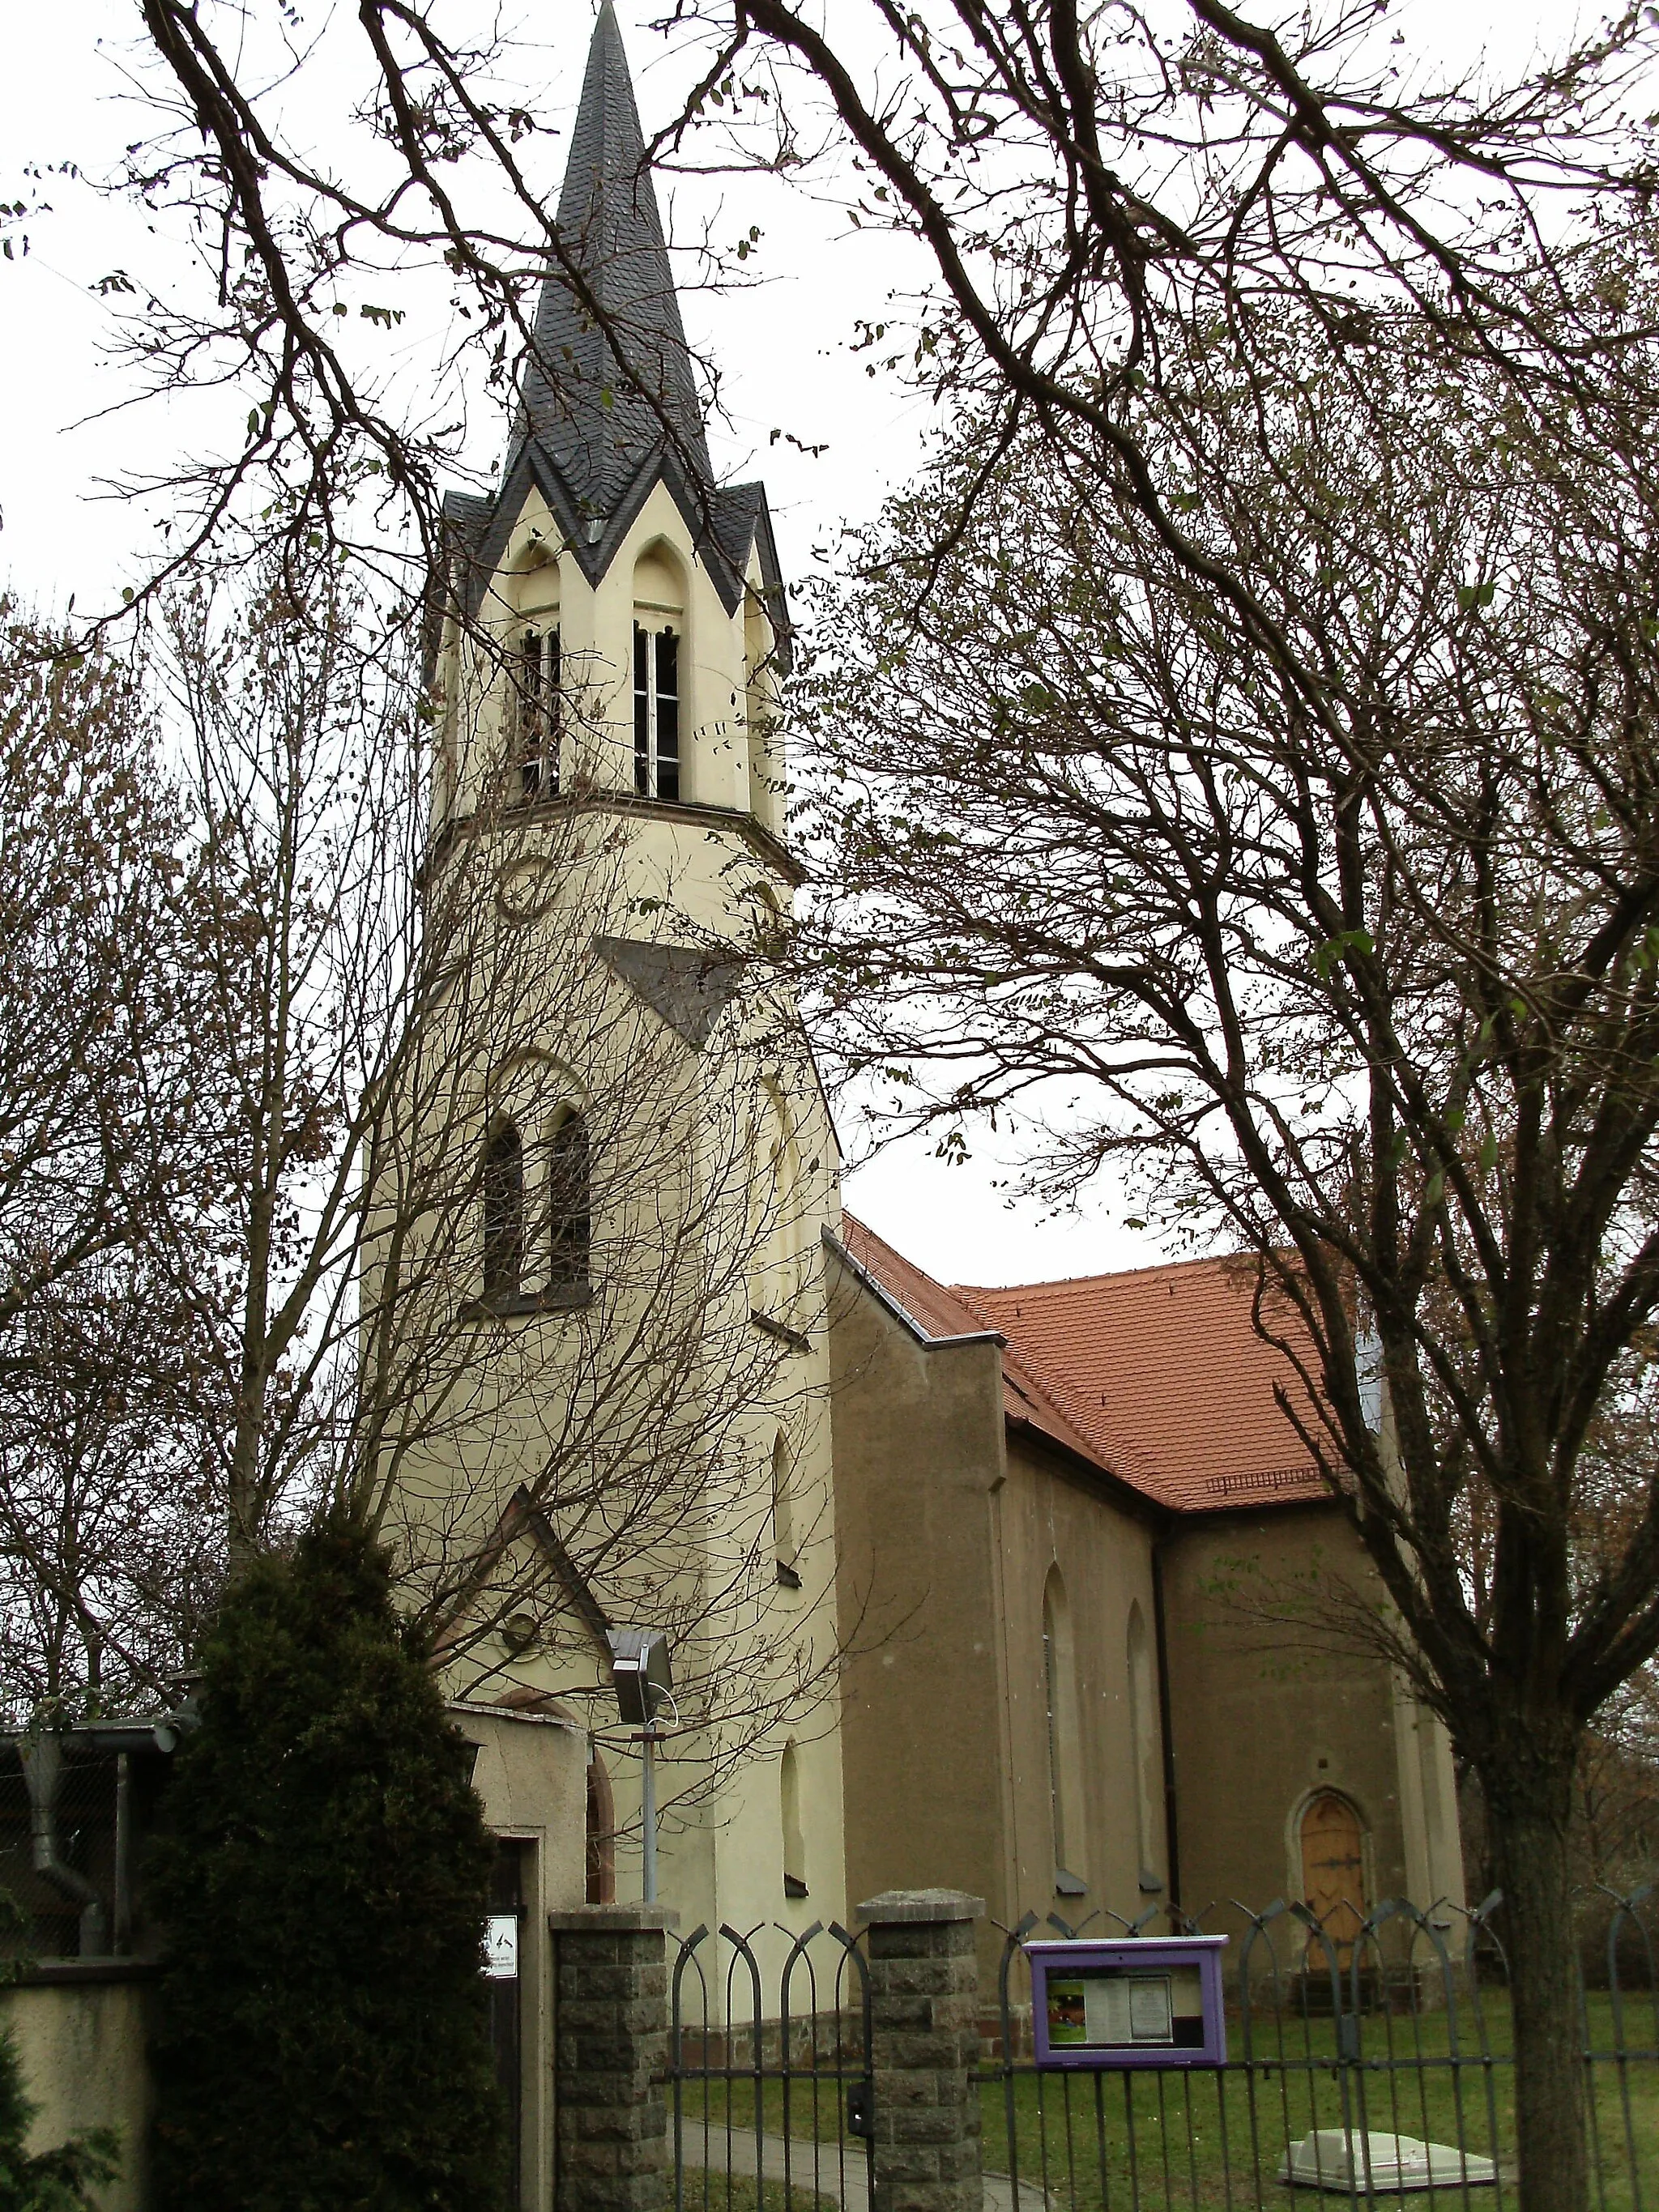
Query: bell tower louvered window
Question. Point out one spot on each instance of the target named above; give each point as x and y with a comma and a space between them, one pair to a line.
656, 712
536, 736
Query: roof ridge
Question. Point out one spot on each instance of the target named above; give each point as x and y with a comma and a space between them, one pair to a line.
1103, 1275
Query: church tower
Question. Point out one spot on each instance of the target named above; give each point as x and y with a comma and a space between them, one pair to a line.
610, 558
625, 1422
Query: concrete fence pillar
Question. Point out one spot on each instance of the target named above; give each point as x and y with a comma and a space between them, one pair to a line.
924, 1989
610, 2044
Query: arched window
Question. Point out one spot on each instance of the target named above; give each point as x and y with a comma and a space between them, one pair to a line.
783, 1511
769, 923
774, 1208
659, 602
1142, 1740
794, 1843
503, 1211
601, 1834
1060, 1692
568, 1204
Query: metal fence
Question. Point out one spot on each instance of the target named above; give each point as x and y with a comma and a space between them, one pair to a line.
1370, 2064
1367, 2064
769, 2069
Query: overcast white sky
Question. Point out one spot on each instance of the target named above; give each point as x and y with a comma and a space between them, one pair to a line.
783, 347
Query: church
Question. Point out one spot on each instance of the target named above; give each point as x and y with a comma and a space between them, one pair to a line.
965, 1587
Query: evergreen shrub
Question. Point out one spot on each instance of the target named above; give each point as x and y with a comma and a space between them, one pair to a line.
322, 1872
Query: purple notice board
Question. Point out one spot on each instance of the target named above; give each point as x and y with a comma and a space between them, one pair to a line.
1144, 2000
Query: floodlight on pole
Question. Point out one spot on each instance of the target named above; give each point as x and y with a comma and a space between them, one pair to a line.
644, 1683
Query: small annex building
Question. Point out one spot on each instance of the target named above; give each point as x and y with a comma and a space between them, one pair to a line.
1063, 1509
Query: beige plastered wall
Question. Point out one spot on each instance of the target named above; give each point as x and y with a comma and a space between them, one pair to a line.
1264, 1718
665, 871
725, 760
82, 2044
531, 1774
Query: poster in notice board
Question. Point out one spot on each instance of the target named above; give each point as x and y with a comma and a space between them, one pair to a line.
1145, 2001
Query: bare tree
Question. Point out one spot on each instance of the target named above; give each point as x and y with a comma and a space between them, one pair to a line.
1359, 977
111, 1522
103, 1420
1073, 183
437, 1210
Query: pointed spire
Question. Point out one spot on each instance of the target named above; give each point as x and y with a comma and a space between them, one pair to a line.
584, 399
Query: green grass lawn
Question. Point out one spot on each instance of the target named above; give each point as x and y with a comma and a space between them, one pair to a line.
1205, 2142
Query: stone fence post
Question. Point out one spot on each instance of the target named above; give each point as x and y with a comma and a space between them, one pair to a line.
610, 2044
924, 1989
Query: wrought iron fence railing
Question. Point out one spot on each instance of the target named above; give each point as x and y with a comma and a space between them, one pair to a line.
1367, 2064
768, 2070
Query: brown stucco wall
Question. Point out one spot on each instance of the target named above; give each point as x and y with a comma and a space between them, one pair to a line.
1051, 1515
950, 1522
1257, 1729
918, 1449
948, 1531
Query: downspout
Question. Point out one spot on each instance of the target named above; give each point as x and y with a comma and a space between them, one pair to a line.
1166, 1730
42, 1756
123, 1943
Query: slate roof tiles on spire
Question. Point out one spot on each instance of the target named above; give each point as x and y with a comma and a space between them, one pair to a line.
585, 399
585, 433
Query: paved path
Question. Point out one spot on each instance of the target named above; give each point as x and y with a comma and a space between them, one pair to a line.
826, 2169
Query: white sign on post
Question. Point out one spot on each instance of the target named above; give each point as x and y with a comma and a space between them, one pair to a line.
500, 1947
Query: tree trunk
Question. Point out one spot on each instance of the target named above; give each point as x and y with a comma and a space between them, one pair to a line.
1529, 1809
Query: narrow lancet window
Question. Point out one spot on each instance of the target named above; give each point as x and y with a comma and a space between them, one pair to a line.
794, 1838
536, 749
1051, 1665
503, 1213
1065, 1752
783, 1513
570, 1205
656, 713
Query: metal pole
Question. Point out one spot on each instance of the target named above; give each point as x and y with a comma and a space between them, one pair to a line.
648, 1813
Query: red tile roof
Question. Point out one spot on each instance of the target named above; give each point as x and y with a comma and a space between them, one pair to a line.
1157, 1375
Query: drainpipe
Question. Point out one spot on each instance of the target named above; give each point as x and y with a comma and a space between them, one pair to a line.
42, 1756
123, 1943
1166, 1727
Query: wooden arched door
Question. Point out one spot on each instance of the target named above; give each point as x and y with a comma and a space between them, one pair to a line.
1334, 1874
